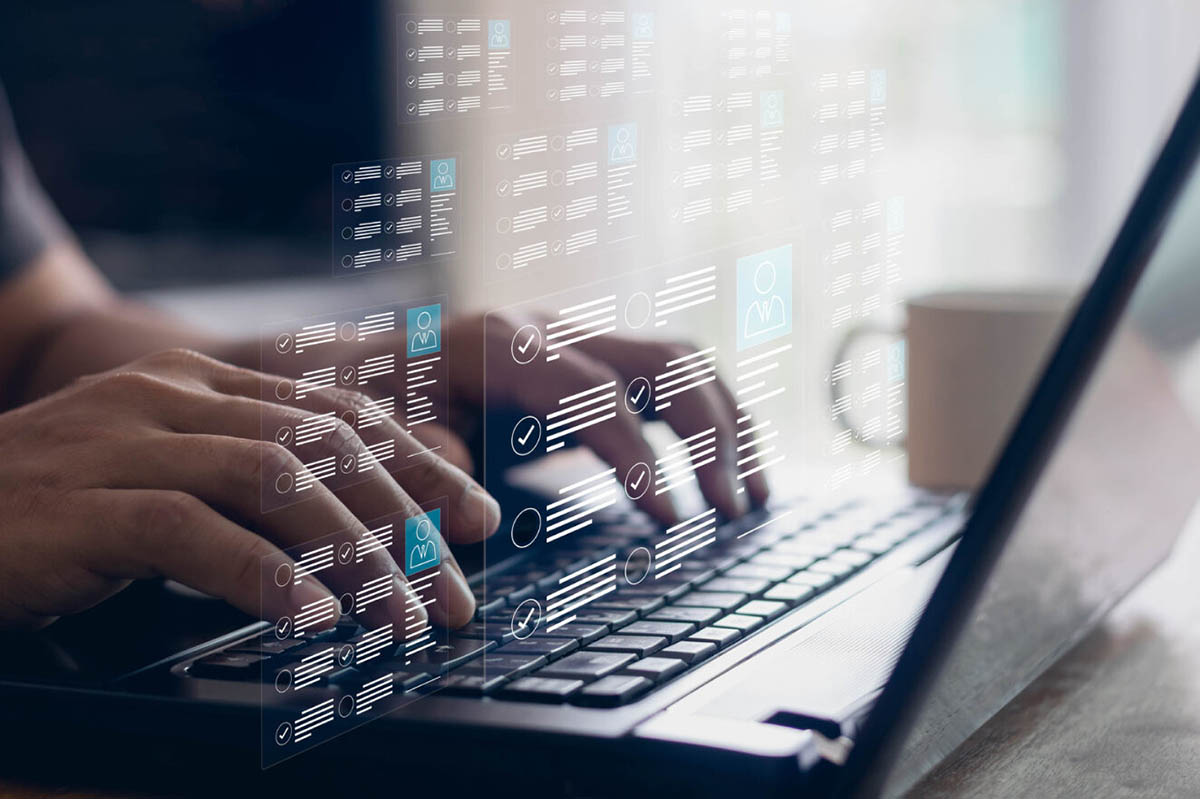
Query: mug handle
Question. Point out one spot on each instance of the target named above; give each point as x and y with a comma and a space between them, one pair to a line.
836, 395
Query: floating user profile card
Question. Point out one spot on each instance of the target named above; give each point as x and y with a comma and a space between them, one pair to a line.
562, 195
351, 636
394, 212
726, 162
596, 54
350, 399
453, 66
657, 307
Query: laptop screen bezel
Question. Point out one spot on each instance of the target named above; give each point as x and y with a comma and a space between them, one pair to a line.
1017, 470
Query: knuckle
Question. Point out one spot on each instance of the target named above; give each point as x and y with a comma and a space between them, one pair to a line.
166, 511
131, 383
246, 558
265, 460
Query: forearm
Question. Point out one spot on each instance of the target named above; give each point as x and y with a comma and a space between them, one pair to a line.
60, 320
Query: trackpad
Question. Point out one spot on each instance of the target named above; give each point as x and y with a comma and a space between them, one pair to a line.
824, 673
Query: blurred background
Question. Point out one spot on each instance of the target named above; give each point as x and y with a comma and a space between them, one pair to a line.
190, 143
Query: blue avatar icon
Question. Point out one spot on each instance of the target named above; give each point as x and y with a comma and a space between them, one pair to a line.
643, 26
764, 297
442, 174
499, 34
771, 109
896, 364
423, 541
424, 330
622, 143
878, 87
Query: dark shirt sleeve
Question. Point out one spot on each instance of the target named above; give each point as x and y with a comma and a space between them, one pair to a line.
29, 222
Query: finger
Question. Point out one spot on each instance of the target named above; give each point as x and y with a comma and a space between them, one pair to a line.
145, 533
697, 415
473, 513
344, 425
446, 444
227, 474
749, 455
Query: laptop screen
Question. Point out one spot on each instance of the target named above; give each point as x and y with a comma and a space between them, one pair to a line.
1114, 493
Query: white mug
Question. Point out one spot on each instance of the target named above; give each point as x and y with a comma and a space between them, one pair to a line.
973, 357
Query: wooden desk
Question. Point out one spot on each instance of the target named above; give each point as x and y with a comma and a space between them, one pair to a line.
1118, 716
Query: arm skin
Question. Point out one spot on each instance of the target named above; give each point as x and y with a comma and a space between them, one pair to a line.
60, 319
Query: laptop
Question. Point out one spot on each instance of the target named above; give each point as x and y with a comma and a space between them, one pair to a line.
843, 651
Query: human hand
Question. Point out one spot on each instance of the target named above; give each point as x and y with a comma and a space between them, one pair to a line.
155, 469
537, 386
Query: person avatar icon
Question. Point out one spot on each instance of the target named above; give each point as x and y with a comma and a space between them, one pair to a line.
767, 312
622, 145
498, 34
423, 550
643, 26
772, 109
426, 338
443, 177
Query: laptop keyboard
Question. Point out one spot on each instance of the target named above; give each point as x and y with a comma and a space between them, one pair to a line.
624, 644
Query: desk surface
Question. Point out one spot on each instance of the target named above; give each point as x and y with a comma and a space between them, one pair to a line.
1118, 716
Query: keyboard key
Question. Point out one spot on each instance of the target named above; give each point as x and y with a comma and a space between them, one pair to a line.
874, 544
550, 648
508, 666
689, 651
834, 568
268, 646
488, 607
587, 665
542, 689
671, 630
584, 633
793, 560
229, 666
615, 619
450, 654
788, 592
852, 557
737, 585
681, 613
465, 683
611, 691
739, 622
760, 571
763, 608
640, 645
656, 669
638, 604
496, 631
806, 544
814, 580
721, 636
711, 599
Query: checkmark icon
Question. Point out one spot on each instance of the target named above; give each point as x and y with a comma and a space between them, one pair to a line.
636, 484
638, 396
528, 433
528, 616
528, 343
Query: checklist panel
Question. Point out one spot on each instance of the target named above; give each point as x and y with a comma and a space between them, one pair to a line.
453, 66
563, 195
355, 631
395, 212
597, 53
355, 394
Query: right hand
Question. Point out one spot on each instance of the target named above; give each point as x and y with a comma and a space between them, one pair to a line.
155, 470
